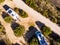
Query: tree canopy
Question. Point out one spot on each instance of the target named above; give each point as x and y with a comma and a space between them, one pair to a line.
46, 30
8, 19
22, 13
19, 30
2, 1
34, 41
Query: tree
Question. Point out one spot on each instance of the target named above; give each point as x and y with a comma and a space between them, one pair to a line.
45, 13
8, 19
34, 41
54, 20
2, 1
58, 40
22, 13
46, 30
19, 30
1, 28
16, 9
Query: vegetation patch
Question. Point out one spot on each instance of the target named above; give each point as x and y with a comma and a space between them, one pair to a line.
1, 28
18, 29
46, 30
6, 17
34, 41
2, 1
45, 7
22, 13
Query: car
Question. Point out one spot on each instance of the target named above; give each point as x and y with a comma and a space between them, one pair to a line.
11, 12
40, 37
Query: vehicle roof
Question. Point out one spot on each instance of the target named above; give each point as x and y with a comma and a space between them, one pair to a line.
6, 7
38, 32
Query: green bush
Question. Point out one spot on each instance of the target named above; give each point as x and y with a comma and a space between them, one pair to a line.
31, 3
8, 19
58, 40
19, 30
2, 1
46, 30
54, 20
34, 41
21, 12
16, 9
1, 28
45, 13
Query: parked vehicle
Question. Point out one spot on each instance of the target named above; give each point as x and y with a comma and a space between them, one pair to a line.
40, 37
11, 12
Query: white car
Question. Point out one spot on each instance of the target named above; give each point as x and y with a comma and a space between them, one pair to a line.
12, 13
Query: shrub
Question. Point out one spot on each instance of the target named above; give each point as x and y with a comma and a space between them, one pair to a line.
45, 13
1, 28
21, 12
34, 41
46, 30
54, 20
8, 19
19, 30
2, 1
16, 9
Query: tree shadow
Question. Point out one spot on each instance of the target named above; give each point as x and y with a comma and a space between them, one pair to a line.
16, 44
24, 1
58, 22
52, 42
4, 14
20, 10
39, 24
58, 8
54, 36
2, 42
30, 34
14, 25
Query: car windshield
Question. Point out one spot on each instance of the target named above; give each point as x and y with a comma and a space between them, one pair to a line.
9, 11
40, 35
42, 41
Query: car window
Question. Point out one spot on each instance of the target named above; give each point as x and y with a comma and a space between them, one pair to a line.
12, 14
9, 11
42, 41
40, 35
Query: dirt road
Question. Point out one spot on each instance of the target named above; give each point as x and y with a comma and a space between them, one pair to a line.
37, 16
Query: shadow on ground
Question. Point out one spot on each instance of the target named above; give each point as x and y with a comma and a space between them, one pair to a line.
4, 14
30, 34
14, 25
16, 44
54, 39
39, 24
2, 42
